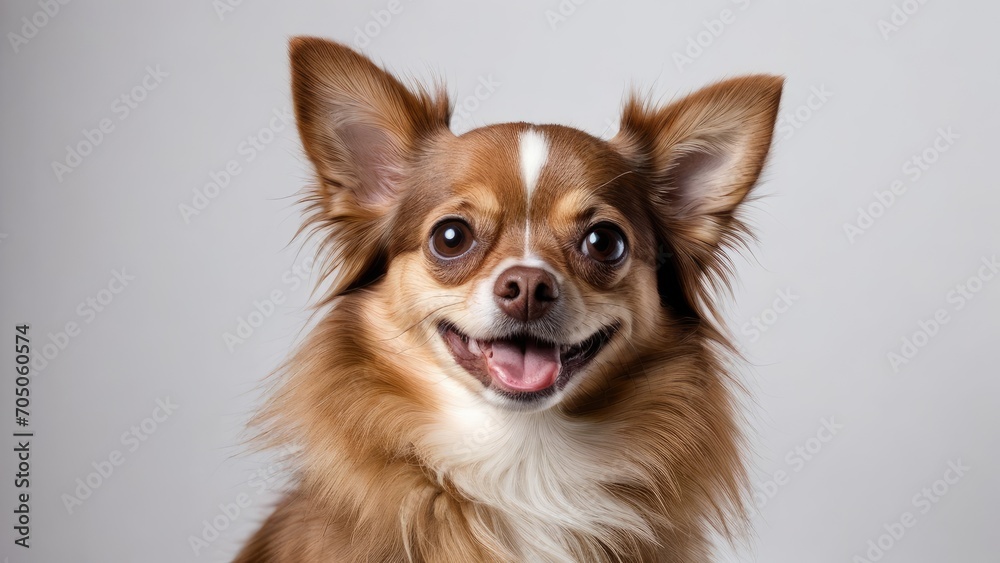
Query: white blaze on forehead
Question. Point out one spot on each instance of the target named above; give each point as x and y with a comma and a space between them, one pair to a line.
534, 150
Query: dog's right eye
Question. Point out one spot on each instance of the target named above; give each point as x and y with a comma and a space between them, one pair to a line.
452, 239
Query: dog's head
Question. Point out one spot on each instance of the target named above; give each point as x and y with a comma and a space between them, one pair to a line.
529, 263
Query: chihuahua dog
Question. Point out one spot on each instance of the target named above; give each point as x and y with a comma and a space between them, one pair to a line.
518, 355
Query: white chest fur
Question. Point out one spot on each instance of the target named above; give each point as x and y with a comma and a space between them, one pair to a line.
543, 471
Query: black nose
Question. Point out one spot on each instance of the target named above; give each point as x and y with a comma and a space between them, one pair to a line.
525, 293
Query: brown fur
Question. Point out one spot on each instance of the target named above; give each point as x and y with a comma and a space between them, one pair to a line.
363, 393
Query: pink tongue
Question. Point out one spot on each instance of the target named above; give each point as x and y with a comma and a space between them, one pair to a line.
533, 369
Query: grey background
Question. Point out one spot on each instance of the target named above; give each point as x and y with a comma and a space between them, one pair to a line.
825, 356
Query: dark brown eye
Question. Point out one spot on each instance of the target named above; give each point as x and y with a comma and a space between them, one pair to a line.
604, 243
451, 239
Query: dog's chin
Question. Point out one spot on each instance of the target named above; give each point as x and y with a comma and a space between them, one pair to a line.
521, 371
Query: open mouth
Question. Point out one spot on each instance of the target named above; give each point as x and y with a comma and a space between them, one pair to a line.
523, 367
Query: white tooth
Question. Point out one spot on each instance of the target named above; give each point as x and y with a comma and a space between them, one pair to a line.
474, 346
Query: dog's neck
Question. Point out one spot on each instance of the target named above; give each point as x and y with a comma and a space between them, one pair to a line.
547, 474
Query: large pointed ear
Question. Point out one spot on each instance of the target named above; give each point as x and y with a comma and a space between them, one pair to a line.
361, 128
701, 156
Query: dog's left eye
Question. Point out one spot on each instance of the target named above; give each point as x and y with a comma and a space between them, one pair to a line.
451, 239
604, 243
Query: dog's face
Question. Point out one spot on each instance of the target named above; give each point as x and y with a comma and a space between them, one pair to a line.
528, 256
530, 263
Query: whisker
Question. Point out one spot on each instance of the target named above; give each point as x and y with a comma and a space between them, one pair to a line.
615, 178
